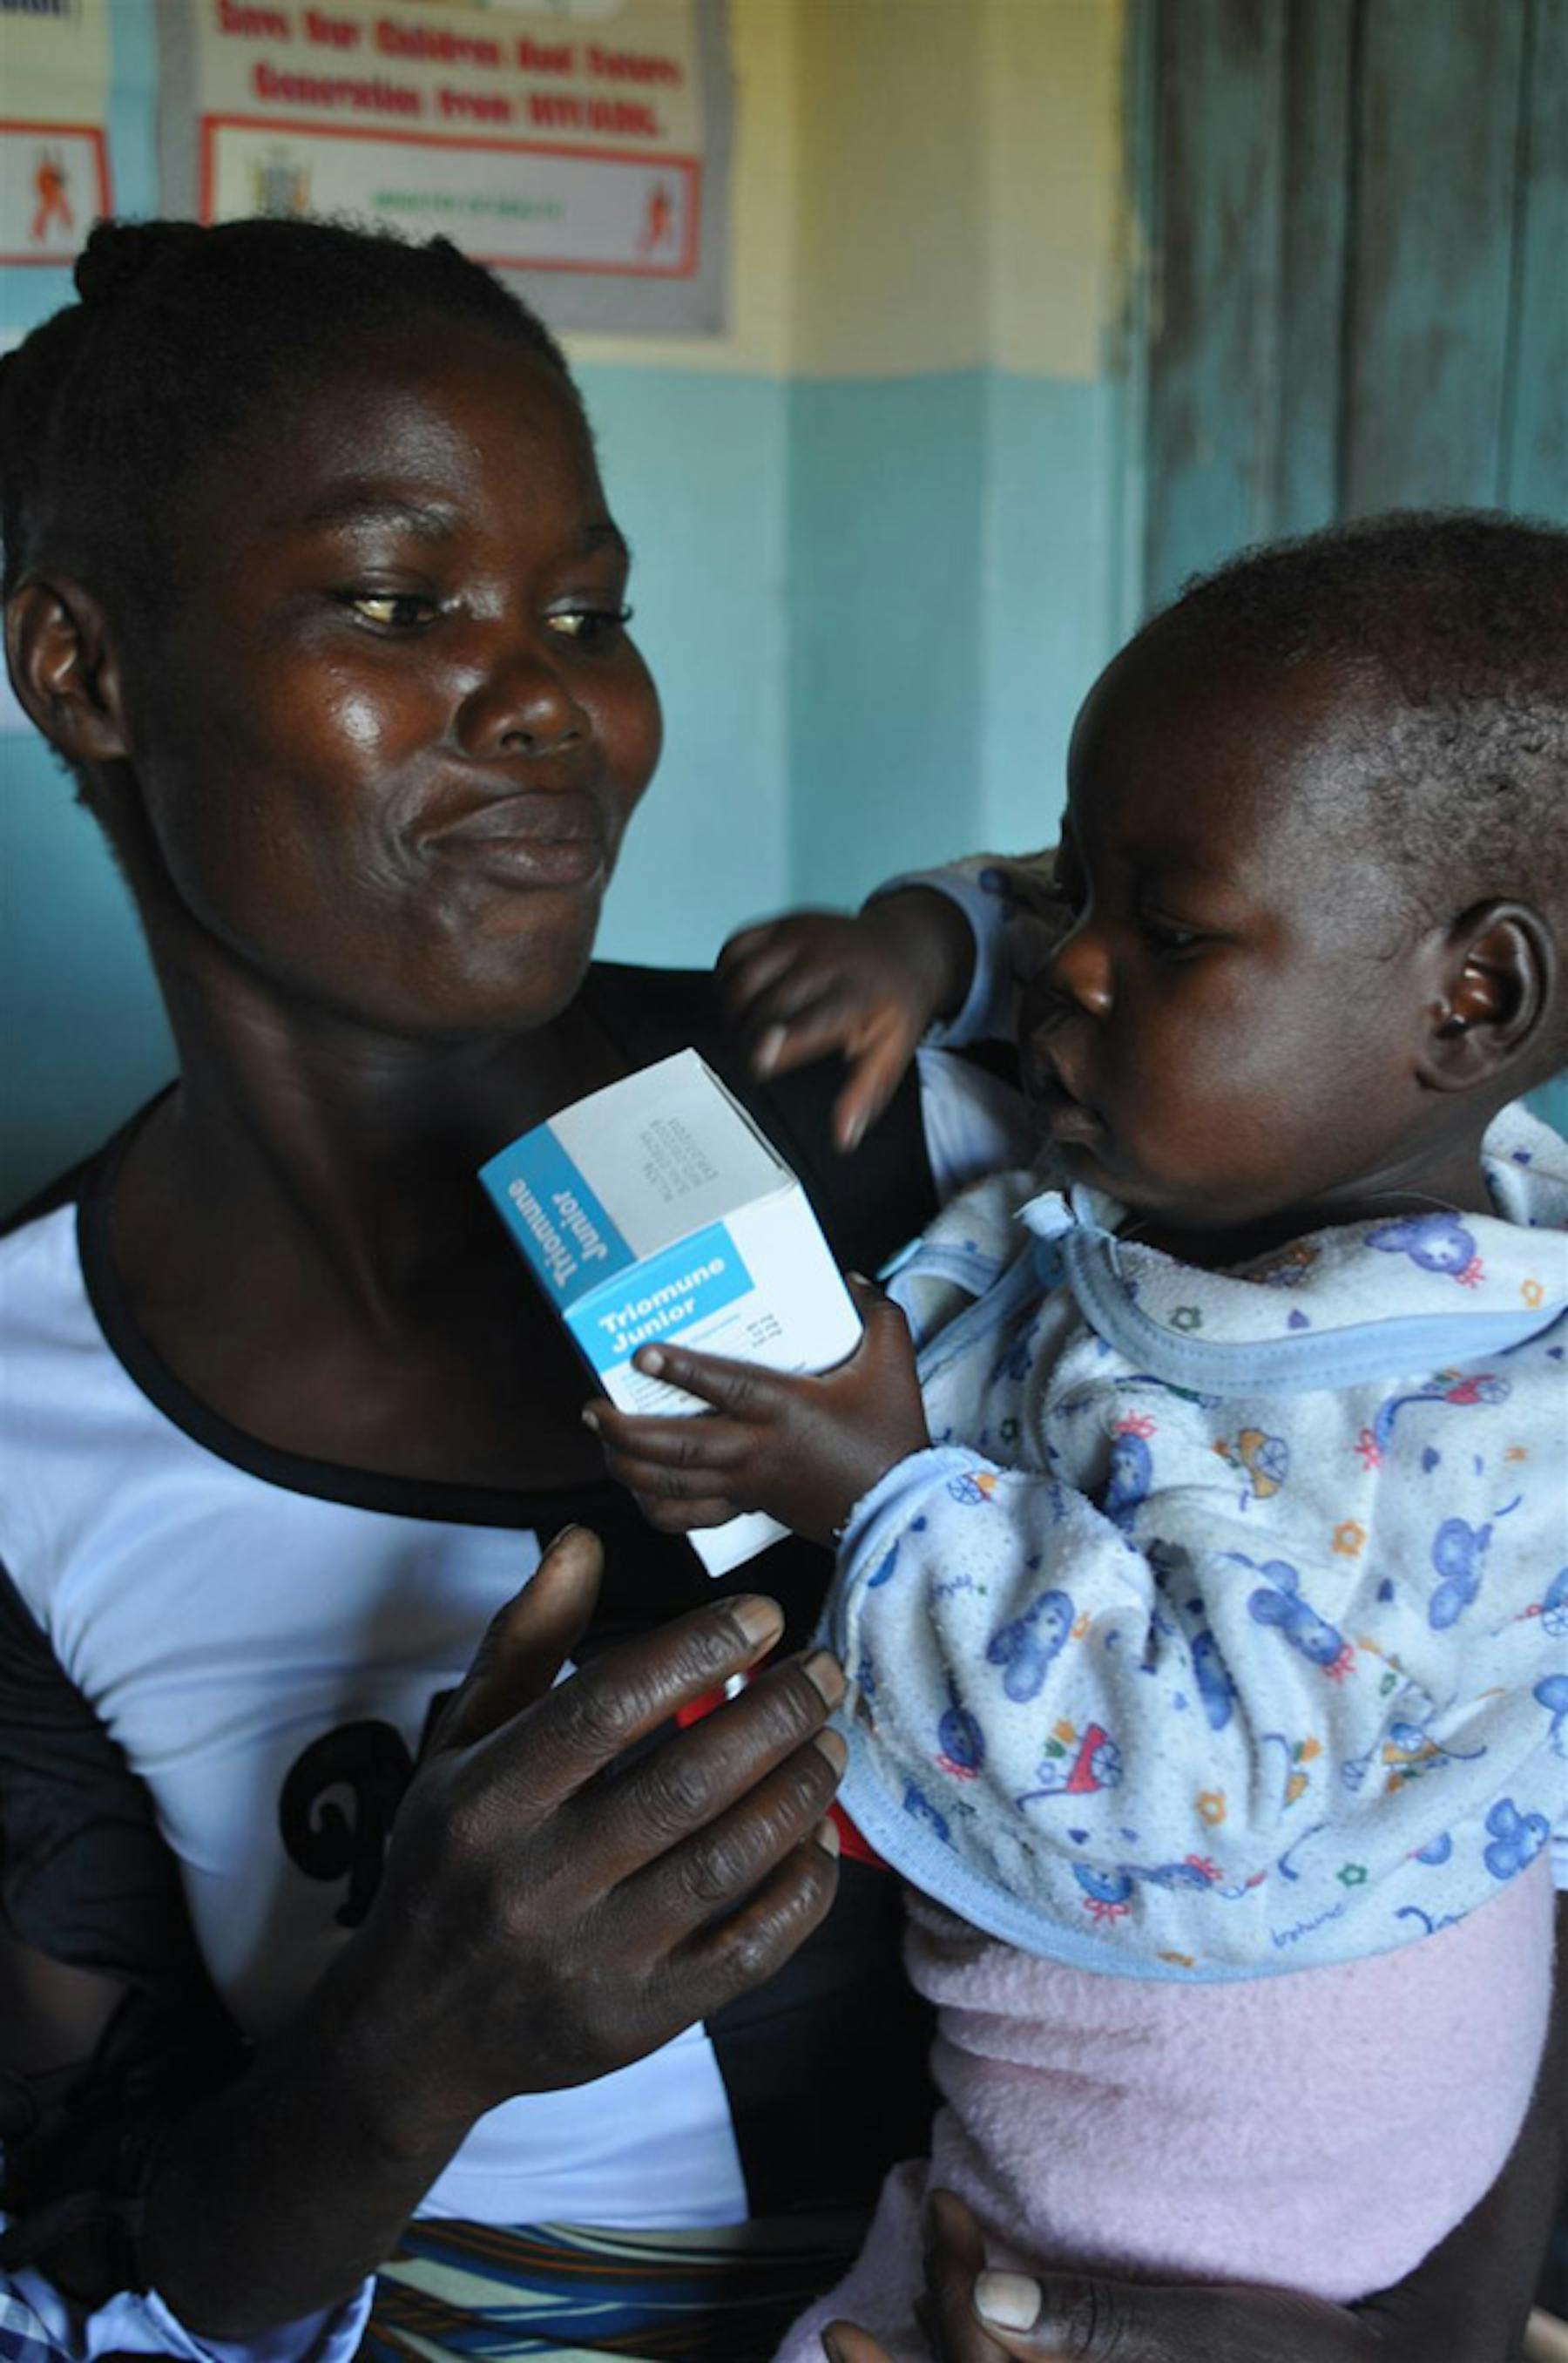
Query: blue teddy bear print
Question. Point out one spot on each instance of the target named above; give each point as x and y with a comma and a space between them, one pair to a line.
1432, 1242
1281, 1605
1027, 1646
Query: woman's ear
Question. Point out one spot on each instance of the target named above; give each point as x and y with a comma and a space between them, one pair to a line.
65, 670
1501, 969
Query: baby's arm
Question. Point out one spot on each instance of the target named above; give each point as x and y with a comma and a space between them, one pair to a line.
1131, 1724
803, 1449
939, 952
1131, 1719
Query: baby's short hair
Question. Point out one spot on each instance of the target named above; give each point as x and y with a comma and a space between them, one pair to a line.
1457, 622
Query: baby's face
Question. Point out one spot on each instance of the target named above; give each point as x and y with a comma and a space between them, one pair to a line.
1231, 1028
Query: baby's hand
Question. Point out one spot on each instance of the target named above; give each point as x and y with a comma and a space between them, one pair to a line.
819, 980
805, 1449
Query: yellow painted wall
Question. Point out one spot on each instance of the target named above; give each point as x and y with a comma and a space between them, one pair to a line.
892, 198
1055, 186
765, 42
920, 185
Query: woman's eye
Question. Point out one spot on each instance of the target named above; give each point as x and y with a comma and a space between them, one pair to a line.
590, 628
397, 611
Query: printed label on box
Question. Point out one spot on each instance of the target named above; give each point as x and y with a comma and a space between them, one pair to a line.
557, 1219
670, 1293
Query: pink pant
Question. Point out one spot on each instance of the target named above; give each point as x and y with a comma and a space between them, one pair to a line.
1320, 2131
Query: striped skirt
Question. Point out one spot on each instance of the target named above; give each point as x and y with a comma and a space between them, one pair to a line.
557, 2293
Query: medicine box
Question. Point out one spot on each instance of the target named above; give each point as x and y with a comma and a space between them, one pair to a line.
656, 1210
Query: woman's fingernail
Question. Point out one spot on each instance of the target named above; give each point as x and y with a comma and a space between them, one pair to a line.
1011, 2300
591, 1417
835, 1747
826, 1835
760, 1620
766, 1055
651, 1361
825, 1675
854, 1132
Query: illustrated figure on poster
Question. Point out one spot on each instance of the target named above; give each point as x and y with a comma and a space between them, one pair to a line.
51, 186
659, 227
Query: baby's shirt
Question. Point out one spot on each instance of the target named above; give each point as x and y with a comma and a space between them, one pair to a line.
1225, 1629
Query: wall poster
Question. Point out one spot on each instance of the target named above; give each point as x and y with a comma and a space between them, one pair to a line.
581, 147
54, 101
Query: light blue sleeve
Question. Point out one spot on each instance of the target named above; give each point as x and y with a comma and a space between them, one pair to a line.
975, 1123
1196, 1745
981, 888
37, 2321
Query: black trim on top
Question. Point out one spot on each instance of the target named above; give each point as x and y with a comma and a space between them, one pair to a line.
293, 1472
867, 1206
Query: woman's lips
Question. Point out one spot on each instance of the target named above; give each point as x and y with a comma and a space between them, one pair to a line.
532, 839
522, 860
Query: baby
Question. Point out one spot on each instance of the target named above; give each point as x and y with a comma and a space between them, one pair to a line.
1203, 1587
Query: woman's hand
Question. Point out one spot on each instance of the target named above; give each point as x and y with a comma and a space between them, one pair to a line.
1092, 2318
551, 1911
867, 986
803, 1449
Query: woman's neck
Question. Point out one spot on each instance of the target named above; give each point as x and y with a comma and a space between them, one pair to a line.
352, 1151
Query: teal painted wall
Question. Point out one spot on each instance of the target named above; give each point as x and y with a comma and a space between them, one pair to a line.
84, 1040
1054, 585
956, 583
886, 538
697, 470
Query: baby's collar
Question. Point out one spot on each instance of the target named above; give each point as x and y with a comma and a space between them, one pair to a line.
1446, 1287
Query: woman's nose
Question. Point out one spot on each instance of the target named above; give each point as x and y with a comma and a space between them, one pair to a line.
522, 707
1080, 968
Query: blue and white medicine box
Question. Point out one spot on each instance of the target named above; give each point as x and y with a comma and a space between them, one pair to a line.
655, 1209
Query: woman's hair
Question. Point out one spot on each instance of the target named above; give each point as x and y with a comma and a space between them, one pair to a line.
182, 338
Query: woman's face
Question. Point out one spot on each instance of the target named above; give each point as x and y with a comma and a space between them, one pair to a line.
396, 727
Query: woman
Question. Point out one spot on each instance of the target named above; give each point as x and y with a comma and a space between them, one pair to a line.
312, 583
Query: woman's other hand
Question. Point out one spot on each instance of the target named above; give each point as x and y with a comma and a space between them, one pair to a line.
803, 1448
553, 1909
868, 986
1092, 2318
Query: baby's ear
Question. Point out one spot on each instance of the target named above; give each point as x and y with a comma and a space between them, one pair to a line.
1500, 974
64, 669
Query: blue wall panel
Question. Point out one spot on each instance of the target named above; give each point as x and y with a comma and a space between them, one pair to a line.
885, 604
696, 470
1053, 588
85, 1037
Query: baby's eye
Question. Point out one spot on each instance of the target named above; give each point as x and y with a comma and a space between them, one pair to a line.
590, 628
1168, 937
396, 611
